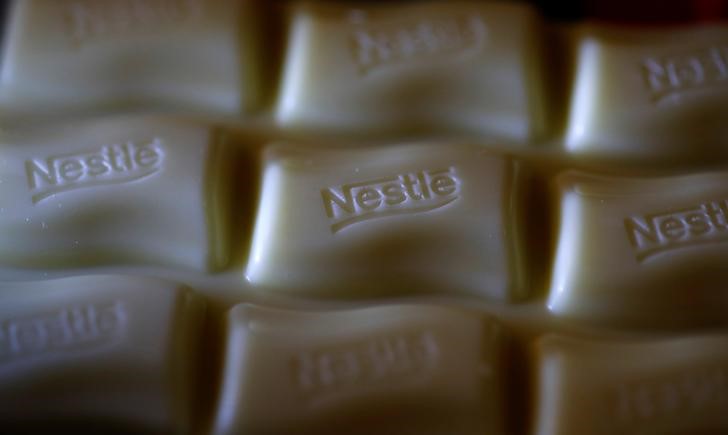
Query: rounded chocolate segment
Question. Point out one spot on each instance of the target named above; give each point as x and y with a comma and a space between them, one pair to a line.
81, 56
116, 351
411, 369
392, 68
654, 94
647, 387
115, 192
388, 221
647, 252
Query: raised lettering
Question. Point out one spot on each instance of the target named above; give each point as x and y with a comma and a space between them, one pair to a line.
697, 223
70, 170
402, 194
652, 234
331, 198
672, 228
90, 20
443, 185
146, 156
379, 44
47, 175
641, 232
85, 169
673, 75
683, 393
394, 194
65, 329
363, 364
97, 165
368, 199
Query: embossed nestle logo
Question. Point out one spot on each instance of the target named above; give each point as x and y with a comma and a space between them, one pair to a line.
388, 196
672, 75
372, 363
110, 164
379, 44
92, 19
700, 224
684, 394
66, 329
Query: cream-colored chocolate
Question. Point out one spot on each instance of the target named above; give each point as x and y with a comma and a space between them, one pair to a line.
650, 93
385, 221
114, 192
112, 350
465, 67
83, 55
406, 369
642, 251
667, 386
